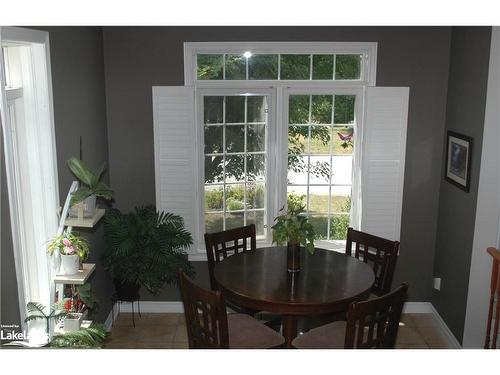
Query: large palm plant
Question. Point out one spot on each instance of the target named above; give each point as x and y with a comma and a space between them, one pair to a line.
146, 247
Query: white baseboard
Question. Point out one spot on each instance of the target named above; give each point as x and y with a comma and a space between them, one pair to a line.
176, 307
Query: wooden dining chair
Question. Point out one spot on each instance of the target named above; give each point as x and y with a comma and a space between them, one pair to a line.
371, 324
381, 253
492, 335
210, 327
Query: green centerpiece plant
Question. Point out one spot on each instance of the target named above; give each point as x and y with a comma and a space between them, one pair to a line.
293, 228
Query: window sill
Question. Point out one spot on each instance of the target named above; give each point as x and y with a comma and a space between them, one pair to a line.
339, 246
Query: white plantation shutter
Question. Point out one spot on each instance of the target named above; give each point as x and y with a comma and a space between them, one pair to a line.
383, 160
175, 150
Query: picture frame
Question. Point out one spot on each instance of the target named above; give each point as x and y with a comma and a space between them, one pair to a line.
458, 160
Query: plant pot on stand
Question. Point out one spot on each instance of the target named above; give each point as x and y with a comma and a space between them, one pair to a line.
72, 322
127, 292
84, 209
70, 264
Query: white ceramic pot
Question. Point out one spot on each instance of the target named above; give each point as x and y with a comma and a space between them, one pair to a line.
88, 207
73, 323
70, 264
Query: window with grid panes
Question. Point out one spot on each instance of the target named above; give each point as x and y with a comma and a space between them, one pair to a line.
235, 132
320, 160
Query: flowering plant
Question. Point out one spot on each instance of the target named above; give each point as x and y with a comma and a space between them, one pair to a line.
70, 244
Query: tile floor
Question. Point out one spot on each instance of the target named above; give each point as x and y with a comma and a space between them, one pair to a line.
168, 331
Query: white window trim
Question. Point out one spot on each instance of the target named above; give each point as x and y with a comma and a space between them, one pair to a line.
367, 49
29, 261
279, 88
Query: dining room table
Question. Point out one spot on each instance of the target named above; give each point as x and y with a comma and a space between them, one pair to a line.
327, 282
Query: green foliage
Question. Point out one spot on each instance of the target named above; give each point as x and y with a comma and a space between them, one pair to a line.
84, 292
94, 185
85, 338
36, 311
347, 67
80, 244
146, 247
210, 66
294, 227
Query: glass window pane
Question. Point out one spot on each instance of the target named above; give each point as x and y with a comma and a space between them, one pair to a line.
263, 67
338, 227
213, 109
214, 196
256, 138
256, 196
297, 169
295, 66
342, 170
298, 112
321, 110
209, 66
235, 138
318, 199
320, 225
297, 139
256, 109
235, 220
320, 140
214, 169
236, 67
297, 194
319, 170
235, 109
322, 67
214, 222
341, 199
344, 109
256, 167
213, 139
235, 168
257, 218
343, 140
347, 67
235, 197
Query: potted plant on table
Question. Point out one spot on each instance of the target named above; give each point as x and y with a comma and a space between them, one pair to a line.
84, 199
294, 229
144, 248
73, 248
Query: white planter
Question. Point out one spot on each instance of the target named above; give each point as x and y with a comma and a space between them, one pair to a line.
70, 264
73, 324
85, 209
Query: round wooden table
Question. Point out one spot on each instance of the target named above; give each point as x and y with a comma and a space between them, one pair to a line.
326, 283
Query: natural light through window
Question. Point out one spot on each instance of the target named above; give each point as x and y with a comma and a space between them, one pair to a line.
235, 133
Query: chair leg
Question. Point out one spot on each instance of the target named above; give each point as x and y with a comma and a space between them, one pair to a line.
133, 320
139, 307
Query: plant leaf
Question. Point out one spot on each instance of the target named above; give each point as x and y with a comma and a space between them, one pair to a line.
81, 171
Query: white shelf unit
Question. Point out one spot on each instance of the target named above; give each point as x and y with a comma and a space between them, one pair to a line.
85, 222
77, 279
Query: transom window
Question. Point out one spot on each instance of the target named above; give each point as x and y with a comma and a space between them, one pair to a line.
235, 150
248, 66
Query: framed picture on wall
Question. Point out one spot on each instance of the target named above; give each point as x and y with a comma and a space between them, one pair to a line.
458, 159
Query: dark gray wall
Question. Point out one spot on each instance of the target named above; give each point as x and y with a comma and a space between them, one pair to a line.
137, 58
469, 62
9, 311
79, 110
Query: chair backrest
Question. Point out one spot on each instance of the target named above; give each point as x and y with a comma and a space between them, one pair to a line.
206, 317
492, 335
381, 253
373, 324
220, 245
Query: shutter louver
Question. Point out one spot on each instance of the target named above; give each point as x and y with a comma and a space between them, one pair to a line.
174, 134
383, 160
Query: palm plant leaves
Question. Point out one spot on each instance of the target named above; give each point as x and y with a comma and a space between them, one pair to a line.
91, 337
146, 247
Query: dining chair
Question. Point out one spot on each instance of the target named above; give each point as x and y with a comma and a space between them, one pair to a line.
209, 326
221, 245
381, 253
491, 336
372, 324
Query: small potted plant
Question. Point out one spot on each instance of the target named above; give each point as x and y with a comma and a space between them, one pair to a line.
294, 229
73, 248
84, 199
75, 309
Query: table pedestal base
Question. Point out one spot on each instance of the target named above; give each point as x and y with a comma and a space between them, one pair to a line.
289, 330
